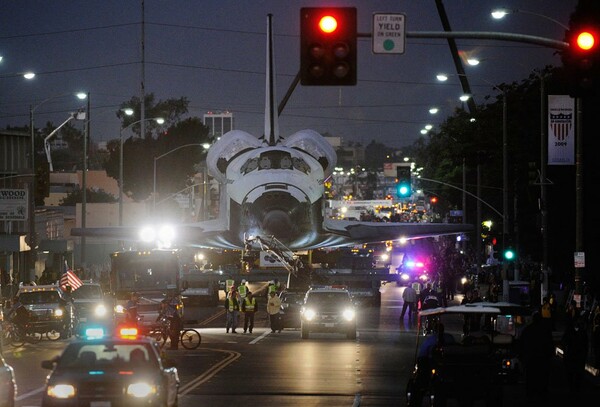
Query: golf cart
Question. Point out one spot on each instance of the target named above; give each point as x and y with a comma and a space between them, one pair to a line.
471, 362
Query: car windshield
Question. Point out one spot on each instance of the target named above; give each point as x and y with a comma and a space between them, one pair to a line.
292, 298
109, 355
88, 292
317, 298
39, 297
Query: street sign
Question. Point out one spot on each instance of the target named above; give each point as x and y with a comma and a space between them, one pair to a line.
389, 33
579, 259
13, 204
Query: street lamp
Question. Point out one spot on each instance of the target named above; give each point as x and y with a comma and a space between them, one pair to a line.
500, 13
158, 120
204, 145
31, 203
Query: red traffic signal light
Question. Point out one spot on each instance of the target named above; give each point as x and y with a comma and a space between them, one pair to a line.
582, 60
585, 41
328, 46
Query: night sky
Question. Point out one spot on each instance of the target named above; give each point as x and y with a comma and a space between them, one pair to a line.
213, 53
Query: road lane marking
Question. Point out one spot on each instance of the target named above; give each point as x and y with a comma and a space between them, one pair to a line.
233, 356
29, 394
212, 318
254, 341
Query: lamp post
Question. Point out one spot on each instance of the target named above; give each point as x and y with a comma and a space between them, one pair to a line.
159, 120
501, 12
31, 201
163, 155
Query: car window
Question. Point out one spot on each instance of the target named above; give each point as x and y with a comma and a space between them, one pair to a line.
317, 298
107, 356
87, 292
39, 297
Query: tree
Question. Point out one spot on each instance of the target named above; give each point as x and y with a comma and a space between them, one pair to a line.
92, 196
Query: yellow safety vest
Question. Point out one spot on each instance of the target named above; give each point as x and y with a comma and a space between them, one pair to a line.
250, 305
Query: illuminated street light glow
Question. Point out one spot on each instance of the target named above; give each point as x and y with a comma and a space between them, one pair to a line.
442, 77
428, 127
29, 75
434, 110
128, 111
464, 98
473, 61
499, 13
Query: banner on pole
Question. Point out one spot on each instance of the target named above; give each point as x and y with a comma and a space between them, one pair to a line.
561, 130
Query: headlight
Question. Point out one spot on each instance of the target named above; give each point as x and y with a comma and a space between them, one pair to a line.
140, 390
309, 314
61, 391
58, 312
100, 310
405, 277
424, 277
119, 309
348, 314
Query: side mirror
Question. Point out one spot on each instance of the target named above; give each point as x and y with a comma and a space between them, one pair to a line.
49, 364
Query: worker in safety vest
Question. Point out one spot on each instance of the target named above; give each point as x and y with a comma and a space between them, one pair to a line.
249, 309
232, 308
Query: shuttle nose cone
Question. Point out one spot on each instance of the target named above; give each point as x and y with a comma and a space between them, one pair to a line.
277, 223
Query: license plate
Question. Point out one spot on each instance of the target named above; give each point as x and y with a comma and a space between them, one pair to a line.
100, 404
329, 325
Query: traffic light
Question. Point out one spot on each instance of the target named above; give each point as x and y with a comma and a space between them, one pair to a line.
42, 182
582, 59
328, 46
509, 254
403, 183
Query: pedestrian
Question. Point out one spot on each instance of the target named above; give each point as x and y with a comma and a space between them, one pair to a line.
409, 297
575, 347
536, 349
131, 308
249, 309
273, 306
546, 311
232, 308
571, 314
169, 310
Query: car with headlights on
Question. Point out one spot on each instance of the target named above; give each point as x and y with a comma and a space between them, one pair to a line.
328, 309
8, 386
117, 370
91, 308
51, 310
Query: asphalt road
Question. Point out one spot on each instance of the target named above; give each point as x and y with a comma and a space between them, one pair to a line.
281, 369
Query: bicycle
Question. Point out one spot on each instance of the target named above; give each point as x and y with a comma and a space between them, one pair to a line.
17, 336
189, 337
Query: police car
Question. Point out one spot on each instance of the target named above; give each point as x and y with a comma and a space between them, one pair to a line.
105, 371
328, 309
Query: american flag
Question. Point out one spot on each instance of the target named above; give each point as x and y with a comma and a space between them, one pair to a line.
69, 278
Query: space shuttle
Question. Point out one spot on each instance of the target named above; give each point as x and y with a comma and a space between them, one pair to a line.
273, 186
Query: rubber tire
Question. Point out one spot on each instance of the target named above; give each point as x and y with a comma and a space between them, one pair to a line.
35, 337
190, 338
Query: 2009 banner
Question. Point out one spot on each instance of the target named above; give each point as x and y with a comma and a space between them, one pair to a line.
561, 130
